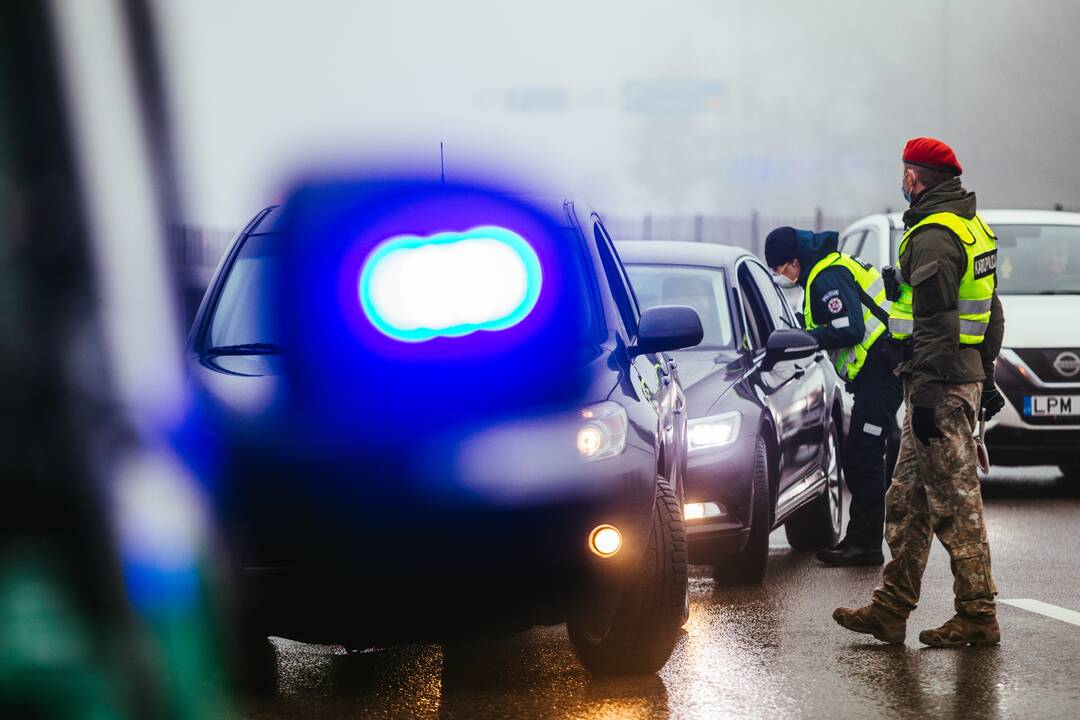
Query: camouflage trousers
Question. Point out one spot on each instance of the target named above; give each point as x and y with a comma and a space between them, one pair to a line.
935, 491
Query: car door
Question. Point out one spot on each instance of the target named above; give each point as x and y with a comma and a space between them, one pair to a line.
654, 372
794, 390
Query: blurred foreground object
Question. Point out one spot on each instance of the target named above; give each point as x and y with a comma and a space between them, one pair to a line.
104, 586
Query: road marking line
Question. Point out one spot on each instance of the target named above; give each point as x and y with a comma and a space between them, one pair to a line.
1052, 611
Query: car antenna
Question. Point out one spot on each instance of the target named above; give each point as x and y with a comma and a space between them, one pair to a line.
442, 164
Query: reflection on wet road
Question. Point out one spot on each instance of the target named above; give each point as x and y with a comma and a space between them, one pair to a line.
771, 651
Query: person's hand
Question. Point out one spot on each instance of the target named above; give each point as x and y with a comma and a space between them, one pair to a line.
923, 425
992, 402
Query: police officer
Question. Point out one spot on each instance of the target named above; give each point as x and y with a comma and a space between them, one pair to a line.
846, 313
948, 313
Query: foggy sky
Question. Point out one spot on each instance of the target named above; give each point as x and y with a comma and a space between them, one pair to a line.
662, 107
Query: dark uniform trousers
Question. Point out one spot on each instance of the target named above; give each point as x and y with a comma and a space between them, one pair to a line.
872, 443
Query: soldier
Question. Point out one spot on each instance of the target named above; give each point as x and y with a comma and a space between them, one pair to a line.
947, 313
845, 312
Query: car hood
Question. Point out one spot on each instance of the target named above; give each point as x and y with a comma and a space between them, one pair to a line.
706, 375
1033, 321
245, 386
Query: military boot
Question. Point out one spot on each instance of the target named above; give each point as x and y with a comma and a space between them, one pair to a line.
888, 627
963, 630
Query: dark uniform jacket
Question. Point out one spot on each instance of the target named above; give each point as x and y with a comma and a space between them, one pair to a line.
933, 263
834, 295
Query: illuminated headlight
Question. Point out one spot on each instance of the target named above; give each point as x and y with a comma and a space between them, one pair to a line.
603, 431
713, 431
450, 284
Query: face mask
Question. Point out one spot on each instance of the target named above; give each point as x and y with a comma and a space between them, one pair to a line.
907, 193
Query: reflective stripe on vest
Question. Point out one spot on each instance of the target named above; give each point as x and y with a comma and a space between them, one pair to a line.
977, 285
849, 361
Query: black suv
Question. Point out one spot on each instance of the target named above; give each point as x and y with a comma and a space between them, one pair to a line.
447, 416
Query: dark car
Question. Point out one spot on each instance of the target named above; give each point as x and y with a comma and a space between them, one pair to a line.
476, 522
764, 408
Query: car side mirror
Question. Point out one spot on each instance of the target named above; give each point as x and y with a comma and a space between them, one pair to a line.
788, 344
667, 327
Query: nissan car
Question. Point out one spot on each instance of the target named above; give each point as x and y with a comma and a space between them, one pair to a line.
1038, 371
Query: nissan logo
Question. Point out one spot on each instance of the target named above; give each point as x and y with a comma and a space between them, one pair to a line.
1067, 363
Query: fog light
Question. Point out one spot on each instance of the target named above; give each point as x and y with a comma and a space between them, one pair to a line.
605, 540
697, 511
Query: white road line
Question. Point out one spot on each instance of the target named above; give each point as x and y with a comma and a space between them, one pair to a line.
1053, 611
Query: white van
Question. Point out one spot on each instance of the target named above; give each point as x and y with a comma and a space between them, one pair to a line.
1038, 371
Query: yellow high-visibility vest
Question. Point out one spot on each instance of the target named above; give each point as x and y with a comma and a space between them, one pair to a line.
849, 361
977, 284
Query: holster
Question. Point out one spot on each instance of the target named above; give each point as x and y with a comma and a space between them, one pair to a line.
890, 276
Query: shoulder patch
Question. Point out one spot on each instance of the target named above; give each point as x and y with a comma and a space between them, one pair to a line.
835, 305
985, 264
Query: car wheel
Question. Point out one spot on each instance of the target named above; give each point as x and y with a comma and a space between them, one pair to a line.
819, 524
748, 566
255, 665
640, 636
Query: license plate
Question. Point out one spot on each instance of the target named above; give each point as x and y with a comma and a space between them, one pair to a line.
1052, 405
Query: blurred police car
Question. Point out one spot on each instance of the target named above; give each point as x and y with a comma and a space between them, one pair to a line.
1038, 370
764, 408
454, 419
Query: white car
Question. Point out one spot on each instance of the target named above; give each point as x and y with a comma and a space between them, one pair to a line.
1039, 368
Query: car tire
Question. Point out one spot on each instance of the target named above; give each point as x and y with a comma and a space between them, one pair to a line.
639, 638
748, 566
819, 524
255, 665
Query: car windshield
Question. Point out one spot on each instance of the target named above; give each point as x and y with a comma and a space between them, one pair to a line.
243, 323
704, 289
242, 319
1038, 259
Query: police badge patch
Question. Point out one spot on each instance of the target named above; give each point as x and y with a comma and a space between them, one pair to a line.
835, 305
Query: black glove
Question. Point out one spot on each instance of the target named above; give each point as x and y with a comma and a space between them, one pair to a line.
923, 425
992, 402
891, 279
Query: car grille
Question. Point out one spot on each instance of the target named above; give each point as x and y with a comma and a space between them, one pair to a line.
1046, 373
1053, 365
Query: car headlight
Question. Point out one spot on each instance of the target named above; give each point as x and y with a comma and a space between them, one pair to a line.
603, 432
713, 431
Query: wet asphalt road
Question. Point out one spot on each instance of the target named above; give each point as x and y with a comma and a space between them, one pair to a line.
771, 651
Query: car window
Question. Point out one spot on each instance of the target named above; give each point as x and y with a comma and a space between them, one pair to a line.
758, 317
851, 244
617, 280
241, 315
704, 289
1038, 259
776, 306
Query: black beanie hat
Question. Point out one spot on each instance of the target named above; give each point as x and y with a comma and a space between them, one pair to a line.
780, 246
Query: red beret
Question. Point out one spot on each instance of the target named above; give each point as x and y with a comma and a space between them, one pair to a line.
931, 153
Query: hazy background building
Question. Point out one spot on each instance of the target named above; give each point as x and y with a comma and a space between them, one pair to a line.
668, 108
